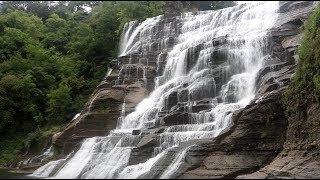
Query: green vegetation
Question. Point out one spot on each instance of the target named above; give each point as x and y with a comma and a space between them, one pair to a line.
33, 142
306, 82
52, 56
208, 5
10, 150
51, 59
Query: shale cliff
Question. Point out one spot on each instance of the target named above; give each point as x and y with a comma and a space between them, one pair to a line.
263, 142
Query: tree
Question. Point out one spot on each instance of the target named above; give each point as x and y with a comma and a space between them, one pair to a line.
211, 5
60, 103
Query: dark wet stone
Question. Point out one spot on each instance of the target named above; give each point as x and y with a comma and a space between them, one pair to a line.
172, 100
136, 132
176, 119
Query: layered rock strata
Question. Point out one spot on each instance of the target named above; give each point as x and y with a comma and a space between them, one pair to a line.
265, 142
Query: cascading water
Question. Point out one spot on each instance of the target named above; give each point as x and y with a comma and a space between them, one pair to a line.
40, 158
230, 45
128, 42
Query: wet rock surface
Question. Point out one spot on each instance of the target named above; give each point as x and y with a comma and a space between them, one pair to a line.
100, 114
254, 140
265, 142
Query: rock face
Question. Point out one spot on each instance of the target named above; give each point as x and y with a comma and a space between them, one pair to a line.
254, 140
265, 142
101, 112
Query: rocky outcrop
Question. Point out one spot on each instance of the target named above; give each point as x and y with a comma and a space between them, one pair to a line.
101, 112
294, 164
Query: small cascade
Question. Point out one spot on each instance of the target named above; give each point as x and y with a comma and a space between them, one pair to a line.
206, 67
123, 114
76, 116
47, 153
145, 79
129, 43
50, 168
175, 165
91, 102
126, 34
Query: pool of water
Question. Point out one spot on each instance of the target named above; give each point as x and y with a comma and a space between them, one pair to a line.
7, 174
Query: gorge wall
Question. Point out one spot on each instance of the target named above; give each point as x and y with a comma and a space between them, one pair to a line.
196, 96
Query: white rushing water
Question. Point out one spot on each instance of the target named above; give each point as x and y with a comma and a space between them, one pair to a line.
245, 29
127, 43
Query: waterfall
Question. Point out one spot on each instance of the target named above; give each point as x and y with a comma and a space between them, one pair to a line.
128, 43
213, 62
122, 116
47, 153
125, 35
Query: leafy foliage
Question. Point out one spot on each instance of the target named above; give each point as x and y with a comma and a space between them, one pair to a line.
209, 5
306, 82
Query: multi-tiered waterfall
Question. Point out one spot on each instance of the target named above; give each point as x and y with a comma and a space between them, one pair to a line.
206, 69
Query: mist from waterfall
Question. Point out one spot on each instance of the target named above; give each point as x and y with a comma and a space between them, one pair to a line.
228, 86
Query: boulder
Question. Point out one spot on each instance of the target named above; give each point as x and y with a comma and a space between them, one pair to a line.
286, 6
136, 132
192, 56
